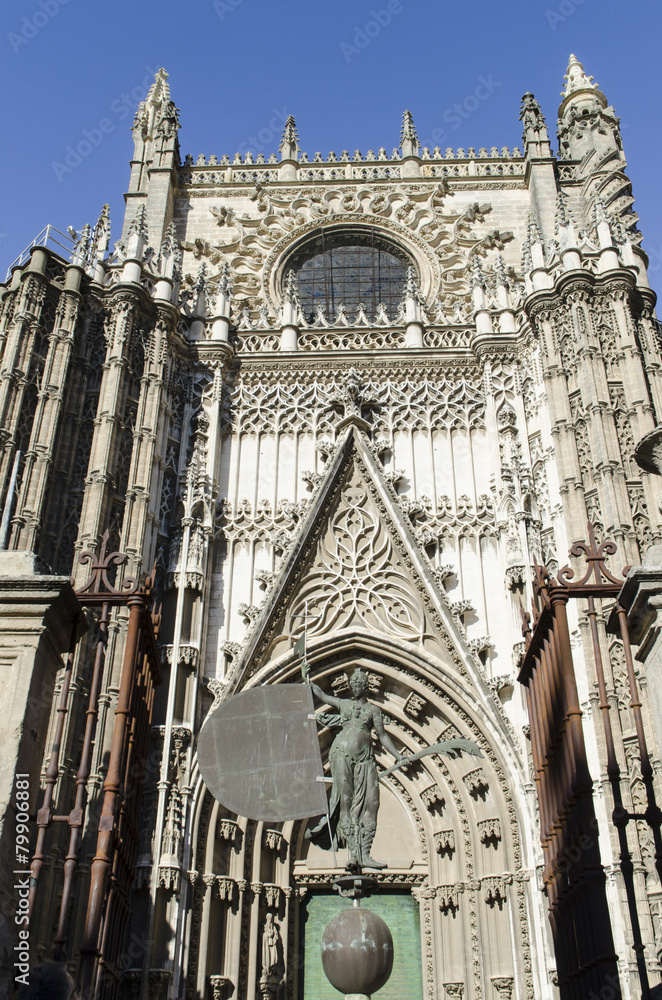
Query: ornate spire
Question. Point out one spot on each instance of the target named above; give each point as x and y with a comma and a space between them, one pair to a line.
408, 137
576, 79
289, 144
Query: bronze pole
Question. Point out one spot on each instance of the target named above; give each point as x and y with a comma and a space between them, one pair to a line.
77, 814
111, 799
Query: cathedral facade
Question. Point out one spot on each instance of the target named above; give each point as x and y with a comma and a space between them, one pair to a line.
364, 395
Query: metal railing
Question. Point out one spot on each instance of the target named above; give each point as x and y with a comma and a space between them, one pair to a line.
49, 237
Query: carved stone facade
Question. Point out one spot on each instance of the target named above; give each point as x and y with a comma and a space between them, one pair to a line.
401, 473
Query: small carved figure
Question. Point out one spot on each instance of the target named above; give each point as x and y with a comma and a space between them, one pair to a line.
355, 789
270, 941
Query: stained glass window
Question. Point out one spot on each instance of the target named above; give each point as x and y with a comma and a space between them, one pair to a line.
349, 268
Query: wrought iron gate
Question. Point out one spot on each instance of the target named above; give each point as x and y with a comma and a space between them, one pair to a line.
574, 877
112, 870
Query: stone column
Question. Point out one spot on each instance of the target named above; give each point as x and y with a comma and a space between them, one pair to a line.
36, 616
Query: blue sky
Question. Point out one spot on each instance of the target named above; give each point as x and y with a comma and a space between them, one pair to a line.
238, 66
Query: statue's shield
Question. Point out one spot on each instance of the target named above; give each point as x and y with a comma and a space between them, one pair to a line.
259, 754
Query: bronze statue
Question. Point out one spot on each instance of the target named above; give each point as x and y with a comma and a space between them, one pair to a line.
355, 789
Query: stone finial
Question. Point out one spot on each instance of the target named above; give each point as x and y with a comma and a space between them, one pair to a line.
289, 144
225, 279
599, 211
535, 136
291, 289
170, 256
157, 112
562, 216
500, 272
82, 243
476, 276
169, 244
101, 237
533, 232
408, 137
136, 237
576, 79
411, 309
159, 92
200, 288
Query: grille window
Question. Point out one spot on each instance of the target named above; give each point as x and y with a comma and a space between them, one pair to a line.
349, 269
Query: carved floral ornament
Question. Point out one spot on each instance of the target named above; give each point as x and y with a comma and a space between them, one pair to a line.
256, 246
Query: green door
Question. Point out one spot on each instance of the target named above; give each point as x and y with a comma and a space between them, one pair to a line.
399, 911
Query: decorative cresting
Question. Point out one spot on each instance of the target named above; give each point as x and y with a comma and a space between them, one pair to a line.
573, 874
358, 577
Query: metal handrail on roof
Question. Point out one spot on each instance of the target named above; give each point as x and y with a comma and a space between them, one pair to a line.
49, 237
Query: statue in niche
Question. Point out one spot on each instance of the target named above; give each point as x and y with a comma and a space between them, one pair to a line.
271, 956
355, 788
270, 942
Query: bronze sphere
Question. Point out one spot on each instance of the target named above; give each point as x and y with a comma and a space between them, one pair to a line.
357, 951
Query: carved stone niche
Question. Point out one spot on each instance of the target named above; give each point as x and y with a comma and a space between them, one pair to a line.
274, 840
489, 831
158, 983
414, 705
272, 895
503, 987
132, 979
374, 682
477, 783
451, 732
494, 890
432, 799
444, 842
225, 887
340, 685
455, 990
228, 830
448, 898
218, 987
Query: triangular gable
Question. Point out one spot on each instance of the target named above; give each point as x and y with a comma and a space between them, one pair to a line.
356, 564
